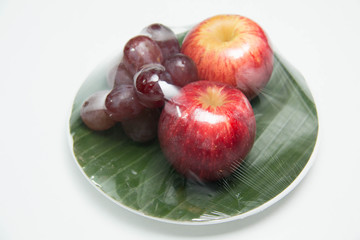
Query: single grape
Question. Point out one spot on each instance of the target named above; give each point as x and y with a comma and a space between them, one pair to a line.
182, 69
139, 51
143, 127
119, 75
164, 37
122, 103
123, 76
93, 112
147, 85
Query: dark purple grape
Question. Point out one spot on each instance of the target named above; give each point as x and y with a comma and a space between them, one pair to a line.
123, 76
119, 75
139, 51
164, 37
143, 127
182, 69
122, 103
147, 85
93, 112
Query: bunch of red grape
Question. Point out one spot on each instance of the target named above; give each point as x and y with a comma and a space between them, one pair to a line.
150, 61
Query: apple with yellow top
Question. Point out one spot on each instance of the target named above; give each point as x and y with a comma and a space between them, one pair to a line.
231, 49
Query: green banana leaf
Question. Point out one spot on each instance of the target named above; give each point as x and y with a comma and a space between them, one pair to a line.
138, 177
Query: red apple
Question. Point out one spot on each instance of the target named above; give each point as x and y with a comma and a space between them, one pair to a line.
207, 130
231, 49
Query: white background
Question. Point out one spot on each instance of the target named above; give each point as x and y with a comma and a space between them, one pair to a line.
47, 48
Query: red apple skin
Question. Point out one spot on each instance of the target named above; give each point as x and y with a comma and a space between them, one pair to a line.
207, 142
231, 49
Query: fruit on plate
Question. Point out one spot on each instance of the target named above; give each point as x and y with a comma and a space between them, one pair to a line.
122, 103
93, 112
119, 75
147, 85
181, 68
231, 49
143, 127
140, 84
207, 130
164, 37
141, 50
